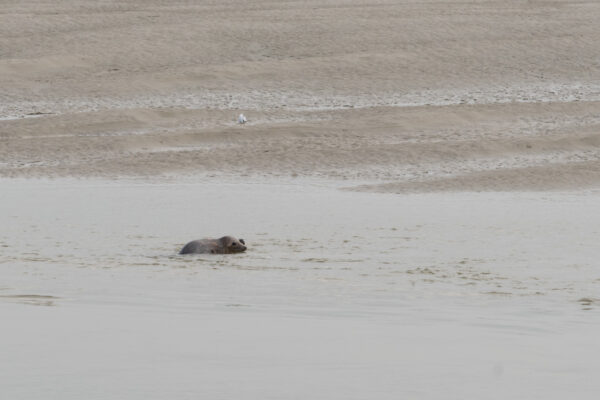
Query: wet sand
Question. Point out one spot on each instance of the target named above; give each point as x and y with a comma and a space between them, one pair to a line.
401, 96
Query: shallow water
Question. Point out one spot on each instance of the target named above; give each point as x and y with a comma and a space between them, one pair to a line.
340, 295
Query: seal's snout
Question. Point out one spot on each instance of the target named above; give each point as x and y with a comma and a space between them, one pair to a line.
237, 246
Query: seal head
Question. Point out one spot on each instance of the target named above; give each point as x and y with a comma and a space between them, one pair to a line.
232, 245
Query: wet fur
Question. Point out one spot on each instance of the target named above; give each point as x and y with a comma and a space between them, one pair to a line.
224, 245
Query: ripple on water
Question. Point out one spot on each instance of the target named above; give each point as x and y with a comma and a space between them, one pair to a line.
587, 302
315, 260
31, 299
498, 293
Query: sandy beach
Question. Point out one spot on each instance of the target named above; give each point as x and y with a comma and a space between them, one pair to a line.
403, 96
418, 184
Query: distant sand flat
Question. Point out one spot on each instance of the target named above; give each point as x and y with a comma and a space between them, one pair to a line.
409, 96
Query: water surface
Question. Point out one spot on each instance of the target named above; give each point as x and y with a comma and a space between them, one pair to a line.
340, 295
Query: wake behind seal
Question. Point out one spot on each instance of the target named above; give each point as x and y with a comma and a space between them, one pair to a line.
224, 245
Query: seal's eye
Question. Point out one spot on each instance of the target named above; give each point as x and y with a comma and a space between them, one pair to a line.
234, 244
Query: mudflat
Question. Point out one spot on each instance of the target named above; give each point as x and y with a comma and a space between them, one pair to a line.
397, 96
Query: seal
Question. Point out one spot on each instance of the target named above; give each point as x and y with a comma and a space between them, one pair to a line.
224, 245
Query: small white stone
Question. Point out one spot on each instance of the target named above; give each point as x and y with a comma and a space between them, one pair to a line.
242, 119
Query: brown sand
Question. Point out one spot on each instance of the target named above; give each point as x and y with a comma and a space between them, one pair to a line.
408, 96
